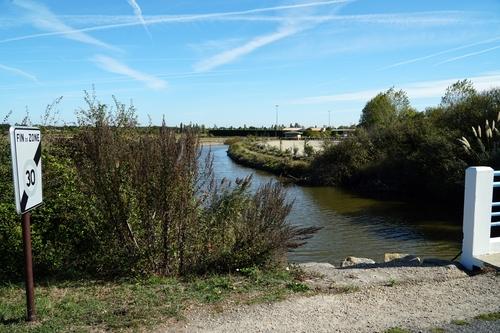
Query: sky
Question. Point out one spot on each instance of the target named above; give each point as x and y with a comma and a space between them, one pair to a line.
235, 63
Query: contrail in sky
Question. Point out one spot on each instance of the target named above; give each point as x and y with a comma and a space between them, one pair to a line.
429, 56
468, 55
19, 72
287, 29
114, 66
172, 19
254, 44
42, 18
138, 14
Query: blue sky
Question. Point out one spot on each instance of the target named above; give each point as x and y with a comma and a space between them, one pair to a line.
229, 62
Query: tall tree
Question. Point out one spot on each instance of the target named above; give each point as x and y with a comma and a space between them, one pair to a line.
386, 108
458, 92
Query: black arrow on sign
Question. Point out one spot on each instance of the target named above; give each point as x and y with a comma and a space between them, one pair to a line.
24, 201
38, 154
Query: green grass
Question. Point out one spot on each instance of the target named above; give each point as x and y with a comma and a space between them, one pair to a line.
489, 316
460, 322
396, 330
345, 289
438, 330
137, 304
278, 163
391, 283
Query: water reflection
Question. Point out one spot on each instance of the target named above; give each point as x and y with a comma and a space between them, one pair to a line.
353, 225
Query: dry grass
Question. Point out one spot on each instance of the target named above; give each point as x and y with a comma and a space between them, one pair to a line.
133, 305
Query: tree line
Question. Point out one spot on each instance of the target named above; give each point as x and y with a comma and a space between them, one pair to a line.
399, 151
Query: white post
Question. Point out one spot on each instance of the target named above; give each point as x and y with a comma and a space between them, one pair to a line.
477, 215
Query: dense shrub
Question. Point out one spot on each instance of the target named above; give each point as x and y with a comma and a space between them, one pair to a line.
397, 151
10, 226
245, 230
61, 228
337, 164
121, 200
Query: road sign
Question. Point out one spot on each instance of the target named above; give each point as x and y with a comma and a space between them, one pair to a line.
26, 152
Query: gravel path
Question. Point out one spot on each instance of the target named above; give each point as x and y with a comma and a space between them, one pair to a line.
375, 307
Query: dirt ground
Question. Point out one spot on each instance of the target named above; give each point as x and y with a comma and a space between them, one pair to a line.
372, 299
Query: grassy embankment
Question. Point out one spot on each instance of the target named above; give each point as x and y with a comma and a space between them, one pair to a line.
255, 155
139, 304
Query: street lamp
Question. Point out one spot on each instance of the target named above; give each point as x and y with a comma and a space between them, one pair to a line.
276, 128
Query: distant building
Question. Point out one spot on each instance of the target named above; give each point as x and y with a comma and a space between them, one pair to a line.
292, 133
316, 129
343, 132
292, 129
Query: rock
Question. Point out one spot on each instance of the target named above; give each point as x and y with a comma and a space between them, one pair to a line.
353, 261
312, 265
392, 256
402, 258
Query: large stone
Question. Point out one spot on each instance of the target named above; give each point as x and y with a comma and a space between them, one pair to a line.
317, 273
353, 261
402, 258
317, 265
392, 256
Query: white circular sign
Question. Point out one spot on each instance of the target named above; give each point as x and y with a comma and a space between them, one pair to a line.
31, 177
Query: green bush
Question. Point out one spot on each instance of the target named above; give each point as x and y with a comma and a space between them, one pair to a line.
61, 228
122, 200
397, 151
337, 164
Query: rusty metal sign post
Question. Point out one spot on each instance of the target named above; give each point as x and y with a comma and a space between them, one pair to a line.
28, 269
26, 153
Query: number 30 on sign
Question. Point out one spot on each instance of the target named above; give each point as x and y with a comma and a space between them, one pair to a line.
26, 149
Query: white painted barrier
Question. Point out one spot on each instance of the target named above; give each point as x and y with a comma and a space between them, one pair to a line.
477, 242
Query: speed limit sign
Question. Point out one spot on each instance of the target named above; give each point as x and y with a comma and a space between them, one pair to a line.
26, 150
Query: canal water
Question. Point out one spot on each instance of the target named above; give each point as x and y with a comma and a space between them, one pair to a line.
353, 225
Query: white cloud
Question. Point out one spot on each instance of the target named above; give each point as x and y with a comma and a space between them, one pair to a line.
42, 18
415, 90
114, 66
19, 72
138, 14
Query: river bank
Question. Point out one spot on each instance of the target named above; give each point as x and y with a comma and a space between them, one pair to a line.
274, 161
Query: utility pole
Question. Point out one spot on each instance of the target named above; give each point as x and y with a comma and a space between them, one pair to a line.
276, 128
329, 126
